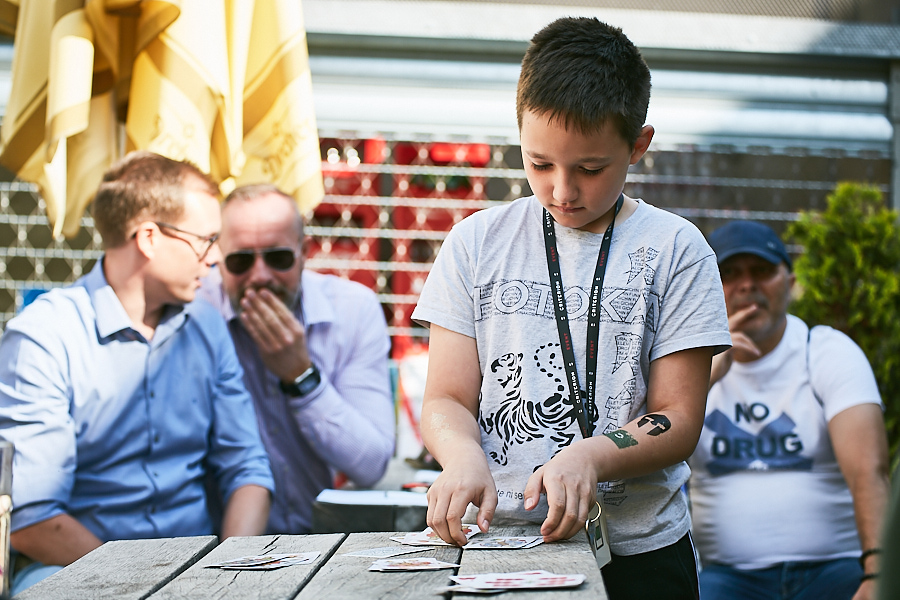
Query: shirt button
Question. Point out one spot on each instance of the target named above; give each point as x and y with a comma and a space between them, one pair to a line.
156, 439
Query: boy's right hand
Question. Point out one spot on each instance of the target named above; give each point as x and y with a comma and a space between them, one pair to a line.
465, 480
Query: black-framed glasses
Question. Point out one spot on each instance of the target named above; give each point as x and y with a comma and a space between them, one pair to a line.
280, 259
207, 240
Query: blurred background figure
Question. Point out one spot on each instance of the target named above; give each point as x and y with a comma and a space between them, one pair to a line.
314, 349
121, 394
789, 481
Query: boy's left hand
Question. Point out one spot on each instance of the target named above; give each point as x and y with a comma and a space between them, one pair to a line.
570, 482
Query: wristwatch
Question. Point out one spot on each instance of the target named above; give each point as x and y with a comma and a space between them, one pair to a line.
306, 383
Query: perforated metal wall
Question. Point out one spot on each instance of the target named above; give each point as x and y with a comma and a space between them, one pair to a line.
390, 203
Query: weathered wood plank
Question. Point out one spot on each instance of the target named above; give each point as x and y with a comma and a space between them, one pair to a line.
567, 557
348, 577
199, 583
122, 570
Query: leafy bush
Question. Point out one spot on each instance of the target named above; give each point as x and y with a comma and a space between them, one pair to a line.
849, 276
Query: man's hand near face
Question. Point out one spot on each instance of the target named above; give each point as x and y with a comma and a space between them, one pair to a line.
278, 334
743, 348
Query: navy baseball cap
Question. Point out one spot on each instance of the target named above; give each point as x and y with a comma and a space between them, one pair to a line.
748, 237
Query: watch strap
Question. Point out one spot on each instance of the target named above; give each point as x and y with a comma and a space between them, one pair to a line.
303, 385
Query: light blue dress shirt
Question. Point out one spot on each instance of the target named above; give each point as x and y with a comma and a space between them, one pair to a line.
118, 431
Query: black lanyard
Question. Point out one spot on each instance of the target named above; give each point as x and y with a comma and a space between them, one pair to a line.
585, 405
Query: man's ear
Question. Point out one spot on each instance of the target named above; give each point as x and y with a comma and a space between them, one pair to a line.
641, 144
146, 237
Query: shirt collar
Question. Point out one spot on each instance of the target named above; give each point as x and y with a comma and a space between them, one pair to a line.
110, 314
317, 307
215, 293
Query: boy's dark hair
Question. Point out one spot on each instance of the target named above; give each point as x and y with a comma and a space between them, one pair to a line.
585, 73
144, 186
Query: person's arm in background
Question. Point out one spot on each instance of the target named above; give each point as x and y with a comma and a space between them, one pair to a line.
34, 416
451, 433
860, 446
843, 380
348, 420
743, 349
237, 459
246, 512
60, 540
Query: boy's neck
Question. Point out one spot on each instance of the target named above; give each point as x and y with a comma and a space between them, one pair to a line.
628, 207
599, 226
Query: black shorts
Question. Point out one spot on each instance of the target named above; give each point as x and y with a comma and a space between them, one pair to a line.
666, 573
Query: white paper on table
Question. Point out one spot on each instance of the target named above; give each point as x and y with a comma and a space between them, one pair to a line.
372, 498
426, 475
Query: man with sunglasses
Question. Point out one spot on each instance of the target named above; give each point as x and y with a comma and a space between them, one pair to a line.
789, 480
121, 395
314, 350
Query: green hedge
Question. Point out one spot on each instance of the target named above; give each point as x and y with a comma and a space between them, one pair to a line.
849, 278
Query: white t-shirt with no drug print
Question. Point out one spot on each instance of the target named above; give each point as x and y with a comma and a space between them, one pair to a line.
662, 294
766, 487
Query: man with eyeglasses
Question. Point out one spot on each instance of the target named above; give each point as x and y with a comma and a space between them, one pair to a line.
789, 480
121, 395
314, 350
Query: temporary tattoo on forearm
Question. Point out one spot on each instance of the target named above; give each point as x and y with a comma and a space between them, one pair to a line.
661, 422
441, 427
621, 438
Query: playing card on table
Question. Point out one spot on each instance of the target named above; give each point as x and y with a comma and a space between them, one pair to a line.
384, 552
245, 561
430, 538
462, 589
520, 580
266, 562
410, 564
504, 543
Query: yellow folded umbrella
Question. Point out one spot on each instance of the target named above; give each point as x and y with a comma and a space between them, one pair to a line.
280, 136
222, 83
9, 13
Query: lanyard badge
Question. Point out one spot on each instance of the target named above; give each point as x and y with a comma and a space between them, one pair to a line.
598, 537
584, 404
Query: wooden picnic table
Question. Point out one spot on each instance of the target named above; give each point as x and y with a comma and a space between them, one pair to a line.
169, 569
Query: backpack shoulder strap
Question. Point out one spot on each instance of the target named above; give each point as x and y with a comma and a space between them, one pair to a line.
809, 367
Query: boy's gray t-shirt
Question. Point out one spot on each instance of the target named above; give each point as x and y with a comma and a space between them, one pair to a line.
662, 294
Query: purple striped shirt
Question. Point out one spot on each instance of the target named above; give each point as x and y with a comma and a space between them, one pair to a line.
347, 423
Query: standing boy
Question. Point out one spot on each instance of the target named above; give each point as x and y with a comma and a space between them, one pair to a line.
514, 302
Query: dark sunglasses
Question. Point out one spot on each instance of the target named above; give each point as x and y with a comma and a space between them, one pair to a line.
280, 259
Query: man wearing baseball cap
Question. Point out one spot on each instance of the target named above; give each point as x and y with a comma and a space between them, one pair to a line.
789, 479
